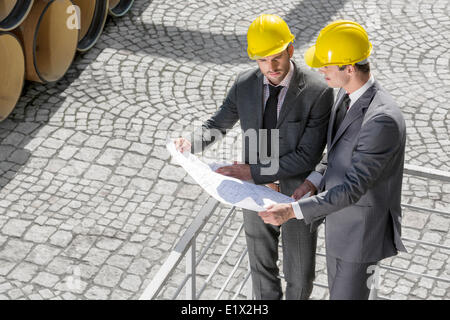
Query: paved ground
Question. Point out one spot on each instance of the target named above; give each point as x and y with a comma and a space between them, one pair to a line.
90, 204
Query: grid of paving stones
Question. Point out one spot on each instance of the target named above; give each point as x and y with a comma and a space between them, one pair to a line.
90, 203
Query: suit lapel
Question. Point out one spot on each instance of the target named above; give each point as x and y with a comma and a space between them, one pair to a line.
356, 111
339, 98
295, 88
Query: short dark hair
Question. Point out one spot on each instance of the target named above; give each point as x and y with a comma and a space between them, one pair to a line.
364, 68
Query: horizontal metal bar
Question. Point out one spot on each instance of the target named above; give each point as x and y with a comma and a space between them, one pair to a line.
320, 254
432, 244
426, 172
231, 274
247, 276
386, 267
320, 285
425, 209
427, 243
402, 270
178, 253
216, 234
220, 259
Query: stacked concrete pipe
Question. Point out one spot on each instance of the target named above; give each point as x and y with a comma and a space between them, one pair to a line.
12, 72
118, 8
49, 41
13, 12
39, 39
93, 15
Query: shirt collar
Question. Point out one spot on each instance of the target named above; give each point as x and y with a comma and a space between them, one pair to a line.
354, 96
285, 82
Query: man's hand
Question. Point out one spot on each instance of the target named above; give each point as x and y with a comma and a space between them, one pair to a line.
303, 189
277, 214
182, 144
238, 171
273, 186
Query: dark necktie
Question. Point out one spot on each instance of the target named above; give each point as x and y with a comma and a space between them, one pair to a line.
270, 114
341, 110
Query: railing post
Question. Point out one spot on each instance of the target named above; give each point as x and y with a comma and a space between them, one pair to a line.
191, 271
250, 287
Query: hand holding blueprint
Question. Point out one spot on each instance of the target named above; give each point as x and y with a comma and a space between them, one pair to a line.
225, 189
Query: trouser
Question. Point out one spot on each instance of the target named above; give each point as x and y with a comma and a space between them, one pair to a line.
349, 280
299, 254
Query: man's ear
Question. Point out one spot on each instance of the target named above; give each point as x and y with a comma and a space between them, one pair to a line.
291, 50
351, 69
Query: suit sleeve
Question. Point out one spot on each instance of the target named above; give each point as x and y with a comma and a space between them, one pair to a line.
310, 147
215, 127
378, 142
322, 165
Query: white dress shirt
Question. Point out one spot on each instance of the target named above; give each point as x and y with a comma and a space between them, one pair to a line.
315, 177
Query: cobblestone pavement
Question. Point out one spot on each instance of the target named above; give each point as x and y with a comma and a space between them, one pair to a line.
90, 204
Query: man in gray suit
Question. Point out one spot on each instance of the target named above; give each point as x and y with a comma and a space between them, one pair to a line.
281, 100
362, 172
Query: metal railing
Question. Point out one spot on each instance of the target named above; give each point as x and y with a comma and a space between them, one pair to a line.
186, 248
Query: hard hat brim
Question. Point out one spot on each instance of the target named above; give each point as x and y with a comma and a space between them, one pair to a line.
311, 59
268, 53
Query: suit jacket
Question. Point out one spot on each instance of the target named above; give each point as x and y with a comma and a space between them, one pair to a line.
302, 124
362, 176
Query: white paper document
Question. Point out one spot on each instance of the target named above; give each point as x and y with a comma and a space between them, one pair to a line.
225, 189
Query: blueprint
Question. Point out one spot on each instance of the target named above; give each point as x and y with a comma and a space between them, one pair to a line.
225, 189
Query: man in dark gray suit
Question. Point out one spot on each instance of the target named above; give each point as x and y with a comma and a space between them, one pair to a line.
281, 100
362, 172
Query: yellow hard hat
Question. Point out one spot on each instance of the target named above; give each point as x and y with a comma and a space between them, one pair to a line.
267, 35
340, 43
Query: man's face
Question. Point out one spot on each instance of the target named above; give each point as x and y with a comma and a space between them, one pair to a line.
334, 77
276, 67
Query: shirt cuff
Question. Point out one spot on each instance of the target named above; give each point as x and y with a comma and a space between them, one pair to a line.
315, 178
297, 210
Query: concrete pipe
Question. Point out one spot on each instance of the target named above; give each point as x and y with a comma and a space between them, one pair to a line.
13, 12
118, 8
93, 15
50, 36
12, 72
